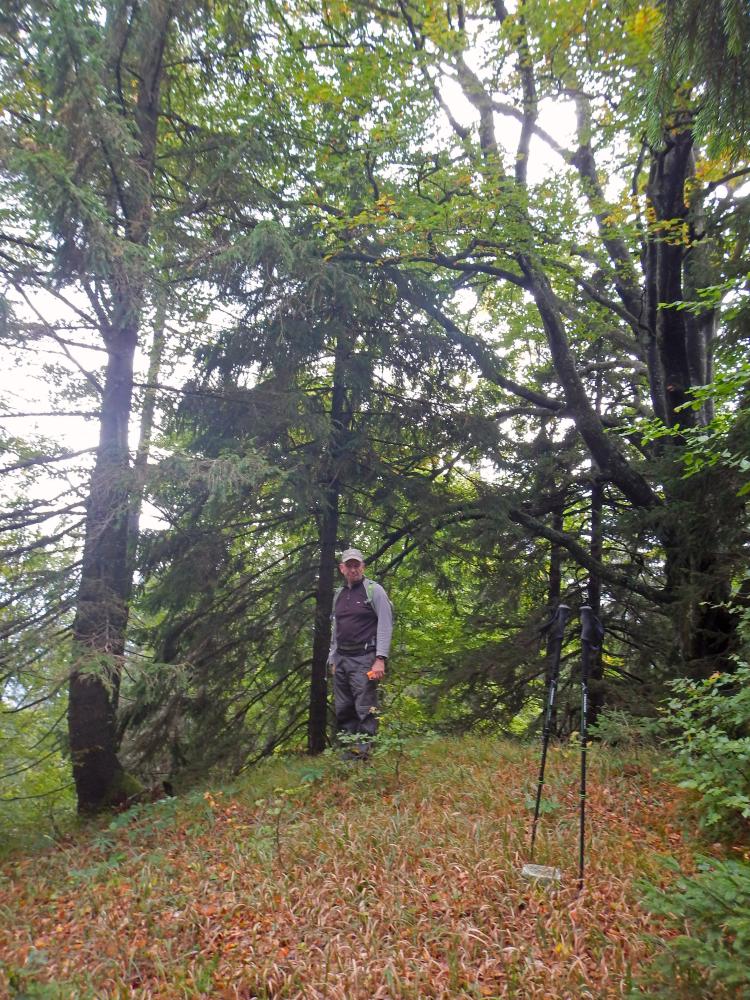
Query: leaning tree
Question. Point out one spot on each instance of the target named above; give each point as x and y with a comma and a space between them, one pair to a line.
597, 253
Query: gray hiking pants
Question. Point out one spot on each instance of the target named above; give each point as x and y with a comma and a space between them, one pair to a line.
355, 696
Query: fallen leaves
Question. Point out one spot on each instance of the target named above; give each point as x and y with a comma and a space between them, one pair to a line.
416, 893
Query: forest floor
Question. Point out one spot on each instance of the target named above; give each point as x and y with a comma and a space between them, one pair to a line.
396, 878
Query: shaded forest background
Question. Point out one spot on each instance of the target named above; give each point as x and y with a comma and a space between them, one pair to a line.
463, 285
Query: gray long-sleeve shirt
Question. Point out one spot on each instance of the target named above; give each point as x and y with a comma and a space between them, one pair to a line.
363, 619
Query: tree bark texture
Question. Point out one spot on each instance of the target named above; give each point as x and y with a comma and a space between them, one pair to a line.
102, 608
670, 346
102, 612
328, 537
679, 349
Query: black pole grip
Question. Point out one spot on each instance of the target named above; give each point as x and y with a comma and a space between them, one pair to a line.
556, 627
592, 630
558, 621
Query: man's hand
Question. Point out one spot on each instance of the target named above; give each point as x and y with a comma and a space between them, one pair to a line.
377, 672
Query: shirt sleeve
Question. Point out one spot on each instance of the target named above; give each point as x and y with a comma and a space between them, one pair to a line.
382, 608
332, 650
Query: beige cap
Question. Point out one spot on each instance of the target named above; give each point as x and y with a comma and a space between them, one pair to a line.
348, 554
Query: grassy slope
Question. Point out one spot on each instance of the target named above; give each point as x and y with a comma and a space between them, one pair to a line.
373, 881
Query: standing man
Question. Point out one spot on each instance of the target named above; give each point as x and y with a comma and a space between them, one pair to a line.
360, 643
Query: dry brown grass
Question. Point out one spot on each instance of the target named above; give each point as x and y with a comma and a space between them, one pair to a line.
362, 885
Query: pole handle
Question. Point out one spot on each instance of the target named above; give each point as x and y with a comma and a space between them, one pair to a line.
558, 621
592, 630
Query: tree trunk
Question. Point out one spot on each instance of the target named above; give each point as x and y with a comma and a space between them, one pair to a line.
327, 533
317, 720
666, 349
676, 346
703, 515
104, 591
102, 610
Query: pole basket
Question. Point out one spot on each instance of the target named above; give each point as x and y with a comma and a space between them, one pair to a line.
545, 874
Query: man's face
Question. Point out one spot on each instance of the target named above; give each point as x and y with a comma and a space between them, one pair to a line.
352, 570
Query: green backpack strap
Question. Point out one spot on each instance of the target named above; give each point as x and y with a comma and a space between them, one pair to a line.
369, 591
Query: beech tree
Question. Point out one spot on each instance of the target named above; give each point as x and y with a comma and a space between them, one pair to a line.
606, 267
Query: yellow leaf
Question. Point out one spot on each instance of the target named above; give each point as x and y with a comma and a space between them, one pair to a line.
644, 21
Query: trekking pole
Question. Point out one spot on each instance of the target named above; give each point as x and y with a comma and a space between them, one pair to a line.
556, 628
592, 633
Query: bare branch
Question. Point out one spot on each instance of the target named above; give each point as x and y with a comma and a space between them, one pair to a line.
29, 463
584, 558
51, 332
